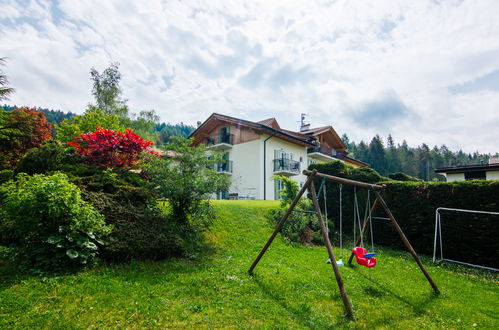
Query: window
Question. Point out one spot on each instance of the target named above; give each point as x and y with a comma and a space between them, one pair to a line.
224, 135
223, 195
278, 186
474, 175
279, 154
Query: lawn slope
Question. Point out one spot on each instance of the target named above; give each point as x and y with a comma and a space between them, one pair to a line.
292, 287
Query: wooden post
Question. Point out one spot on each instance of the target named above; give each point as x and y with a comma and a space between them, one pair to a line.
281, 223
343, 180
329, 248
364, 226
407, 243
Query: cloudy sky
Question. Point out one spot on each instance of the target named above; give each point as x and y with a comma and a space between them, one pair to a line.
424, 71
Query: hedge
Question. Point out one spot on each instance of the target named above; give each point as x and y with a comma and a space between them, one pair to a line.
466, 237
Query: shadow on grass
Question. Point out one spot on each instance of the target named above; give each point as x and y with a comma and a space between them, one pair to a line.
301, 314
145, 271
377, 289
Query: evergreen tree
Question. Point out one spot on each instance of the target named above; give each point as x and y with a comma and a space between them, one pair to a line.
376, 155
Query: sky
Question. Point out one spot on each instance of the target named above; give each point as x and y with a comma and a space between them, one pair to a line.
423, 71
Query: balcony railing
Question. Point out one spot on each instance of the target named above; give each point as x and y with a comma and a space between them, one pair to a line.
226, 139
224, 167
286, 165
324, 150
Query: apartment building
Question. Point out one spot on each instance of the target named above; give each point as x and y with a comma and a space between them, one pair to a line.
253, 152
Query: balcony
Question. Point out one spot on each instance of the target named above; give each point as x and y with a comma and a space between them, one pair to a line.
322, 154
225, 167
285, 166
221, 143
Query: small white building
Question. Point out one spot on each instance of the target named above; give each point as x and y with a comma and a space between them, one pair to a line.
255, 151
488, 171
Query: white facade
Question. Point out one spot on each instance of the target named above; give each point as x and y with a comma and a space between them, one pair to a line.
492, 175
454, 177
489, 175
249, 171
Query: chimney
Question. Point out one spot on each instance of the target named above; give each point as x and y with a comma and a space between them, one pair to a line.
494, 160
199, 123
304, 127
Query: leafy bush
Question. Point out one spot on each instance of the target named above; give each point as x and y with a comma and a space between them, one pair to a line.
6, 175
46, 220
290, 190
108, 148
300, 227
141, 231
51, 156
188, 181
399, 176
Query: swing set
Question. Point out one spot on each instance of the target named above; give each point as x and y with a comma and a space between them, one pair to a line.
361, 255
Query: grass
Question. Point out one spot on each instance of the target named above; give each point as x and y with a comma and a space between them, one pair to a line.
292, 287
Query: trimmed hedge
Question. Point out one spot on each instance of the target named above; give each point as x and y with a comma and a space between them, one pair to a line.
466, 237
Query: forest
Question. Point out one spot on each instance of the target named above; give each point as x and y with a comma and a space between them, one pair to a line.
419, 162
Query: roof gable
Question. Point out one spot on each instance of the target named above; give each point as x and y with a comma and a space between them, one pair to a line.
327, 134
271, 122
217, 120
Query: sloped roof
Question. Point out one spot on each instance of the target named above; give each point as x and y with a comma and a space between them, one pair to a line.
271, 127
216, 118
272, 122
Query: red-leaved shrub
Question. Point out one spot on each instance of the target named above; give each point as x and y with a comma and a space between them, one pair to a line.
108, 148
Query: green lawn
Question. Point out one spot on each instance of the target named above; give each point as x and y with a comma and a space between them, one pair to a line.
292, 287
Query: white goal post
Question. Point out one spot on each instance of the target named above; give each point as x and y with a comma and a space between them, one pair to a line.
438, 236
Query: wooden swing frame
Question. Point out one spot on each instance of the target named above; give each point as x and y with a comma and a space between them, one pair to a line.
309, 184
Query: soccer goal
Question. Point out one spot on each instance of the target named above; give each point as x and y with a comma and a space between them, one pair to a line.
439, 243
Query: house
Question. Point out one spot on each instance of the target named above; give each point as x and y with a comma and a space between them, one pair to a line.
488, 171
255, 151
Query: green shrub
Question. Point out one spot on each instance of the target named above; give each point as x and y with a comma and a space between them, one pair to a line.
467, 237
300, 227
188, 181
413, 203
290, 190
51, 156
399, 176
141, 231
6, 175
49, 224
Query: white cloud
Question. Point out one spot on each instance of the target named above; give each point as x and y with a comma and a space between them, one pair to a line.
351, 64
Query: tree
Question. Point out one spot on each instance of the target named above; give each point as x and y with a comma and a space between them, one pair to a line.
376, 153
361, 153
68, 129
188, 180
5, 91
144, 124
107, 91
20, 131
108, 148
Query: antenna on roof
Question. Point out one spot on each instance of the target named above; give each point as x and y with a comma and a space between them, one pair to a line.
303, 126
